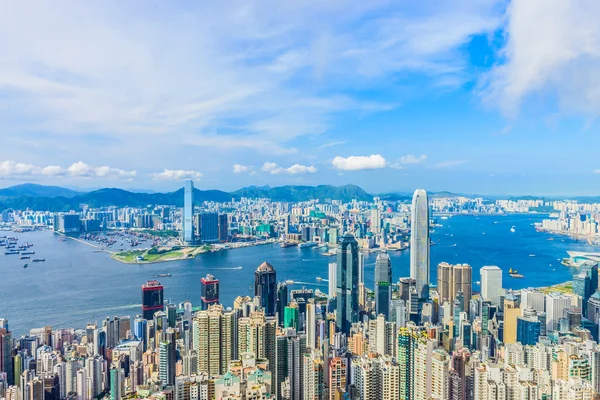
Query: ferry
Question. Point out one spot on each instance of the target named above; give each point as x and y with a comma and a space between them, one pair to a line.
514, 273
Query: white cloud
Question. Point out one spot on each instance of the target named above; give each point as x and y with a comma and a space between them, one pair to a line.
449, 163
275, 169
177, 175
53, 170
355, 163
239, 168
14, 169
81, 169
411, 159
301, 169
552, 52
11, 169
90, 68
597, 171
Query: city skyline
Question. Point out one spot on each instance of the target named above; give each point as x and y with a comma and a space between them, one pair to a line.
270, 96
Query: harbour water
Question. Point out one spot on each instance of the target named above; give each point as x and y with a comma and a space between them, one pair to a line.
76, 285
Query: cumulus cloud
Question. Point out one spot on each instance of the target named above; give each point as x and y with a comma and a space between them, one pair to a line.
53, 170
597, 171
556, 58
449, 163
81, 169
356, 163
239, 168
12, 169
275, 169
177, 175
411, 159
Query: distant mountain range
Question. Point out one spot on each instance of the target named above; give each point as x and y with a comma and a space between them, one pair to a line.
54, 198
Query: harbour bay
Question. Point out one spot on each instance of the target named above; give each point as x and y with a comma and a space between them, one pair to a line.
77, 284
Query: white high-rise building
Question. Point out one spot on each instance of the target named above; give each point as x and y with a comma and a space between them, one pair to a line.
556, 304
491, 284
187, 217
419, 243
311, 325
332, 279
532, 298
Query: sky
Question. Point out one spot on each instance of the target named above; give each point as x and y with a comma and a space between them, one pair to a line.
481, 96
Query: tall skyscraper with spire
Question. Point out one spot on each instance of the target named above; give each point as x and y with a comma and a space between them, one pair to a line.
188, 212
383, 285
419, 243
347, 283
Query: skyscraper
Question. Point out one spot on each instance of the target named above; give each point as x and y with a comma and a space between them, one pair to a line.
265, 287
383, 282
452, 279
332, 279
6, 358
152, 298
223, 228
347, 283
209, 291
419, 243
188, 212
166, 367
214, 339
208, 227
491, 284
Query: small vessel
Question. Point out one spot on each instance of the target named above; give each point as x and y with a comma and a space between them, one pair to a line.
38, 260
550, 238
27, 252
512, 229
287, 244
319, 278
25, 266
532, 255
289, 282
478, 283
163, 275
25, 257
514, 273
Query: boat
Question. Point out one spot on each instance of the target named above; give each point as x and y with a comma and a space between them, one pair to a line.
512, 229
38, 260
514, 273
25, 266
163, 275
550, 238
532, 255
287, 244
25, 257
319, 278
478, 283
28, 252
289, 282
10, 252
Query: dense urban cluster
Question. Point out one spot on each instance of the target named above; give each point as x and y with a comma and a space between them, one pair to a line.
397, 340
574, 218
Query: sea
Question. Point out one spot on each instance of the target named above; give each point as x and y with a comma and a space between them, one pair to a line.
77, 285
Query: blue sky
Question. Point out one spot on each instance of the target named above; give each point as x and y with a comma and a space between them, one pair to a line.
492, 97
